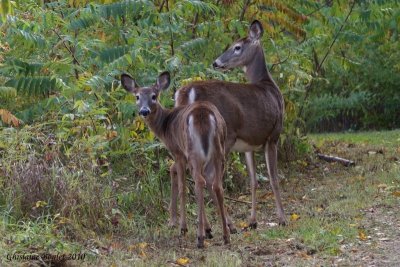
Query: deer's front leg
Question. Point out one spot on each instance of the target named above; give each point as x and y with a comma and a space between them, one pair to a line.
174, 196
251, 167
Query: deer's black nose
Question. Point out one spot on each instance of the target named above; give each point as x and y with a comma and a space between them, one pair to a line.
215, 65
144, 112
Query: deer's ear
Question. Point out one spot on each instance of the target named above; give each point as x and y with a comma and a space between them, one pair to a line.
163, 81
128, 83
256, 30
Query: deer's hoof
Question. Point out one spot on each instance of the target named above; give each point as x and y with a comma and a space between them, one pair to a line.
253, 225
227, 240
184, 231
200, 242
172, 224
283, 222
233, 230
209, 234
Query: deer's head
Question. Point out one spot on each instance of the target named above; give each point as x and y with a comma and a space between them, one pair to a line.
241, 52
146, 97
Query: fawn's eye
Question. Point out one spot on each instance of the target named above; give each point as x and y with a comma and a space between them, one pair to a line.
153, 97
237, 48
137, 97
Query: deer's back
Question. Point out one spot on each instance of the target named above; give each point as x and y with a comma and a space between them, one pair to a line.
252, 112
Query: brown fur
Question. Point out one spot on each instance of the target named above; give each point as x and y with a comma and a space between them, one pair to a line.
253, 112
195, 136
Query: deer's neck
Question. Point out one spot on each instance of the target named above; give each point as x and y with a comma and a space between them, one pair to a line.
256, 71
158, 121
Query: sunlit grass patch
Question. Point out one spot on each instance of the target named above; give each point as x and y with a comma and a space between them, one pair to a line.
276, 233
384, 138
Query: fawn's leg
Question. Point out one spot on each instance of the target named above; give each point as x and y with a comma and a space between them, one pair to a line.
180, 169
199, 185
174, 196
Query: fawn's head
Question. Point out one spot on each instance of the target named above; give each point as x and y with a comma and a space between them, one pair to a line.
243, 51
146, 97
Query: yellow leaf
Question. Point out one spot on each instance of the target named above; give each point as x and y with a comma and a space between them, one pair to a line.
304, 255
111, 135
40, 204
142, 254
63, 220
396, 193
243, 225
142, 245
132, 247
361, 235
294, 217
8, 118
246, 234
183, 261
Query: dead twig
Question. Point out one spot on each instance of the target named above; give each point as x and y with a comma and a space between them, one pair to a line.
243, 201
343, 161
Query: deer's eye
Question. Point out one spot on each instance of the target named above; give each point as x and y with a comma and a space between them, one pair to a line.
153, 97
137, 97
237, 48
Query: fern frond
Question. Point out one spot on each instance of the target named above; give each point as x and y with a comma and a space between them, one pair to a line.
200, 7
36, 85
128, 8
34, 39
194, 45
83, 22
285, 9
111, 54
20, 67
96, 82
7, 93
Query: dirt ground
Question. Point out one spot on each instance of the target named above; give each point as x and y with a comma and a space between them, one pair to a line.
339, 216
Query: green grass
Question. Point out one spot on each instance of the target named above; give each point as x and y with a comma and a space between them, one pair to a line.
387, 139
329, 199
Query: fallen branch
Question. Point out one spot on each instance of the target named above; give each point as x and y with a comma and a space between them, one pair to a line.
243, 201
343, 161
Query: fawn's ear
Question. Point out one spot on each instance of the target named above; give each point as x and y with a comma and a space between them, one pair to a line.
256, 30
163, 81
128, 83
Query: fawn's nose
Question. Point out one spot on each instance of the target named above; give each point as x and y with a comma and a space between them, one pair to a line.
215, 65
144, 112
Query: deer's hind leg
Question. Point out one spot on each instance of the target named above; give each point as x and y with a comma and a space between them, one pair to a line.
271, 157
196, 166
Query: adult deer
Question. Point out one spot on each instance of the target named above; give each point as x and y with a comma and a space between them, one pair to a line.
253, 112
195, 135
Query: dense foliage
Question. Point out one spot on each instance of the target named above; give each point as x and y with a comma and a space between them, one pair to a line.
71, 148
